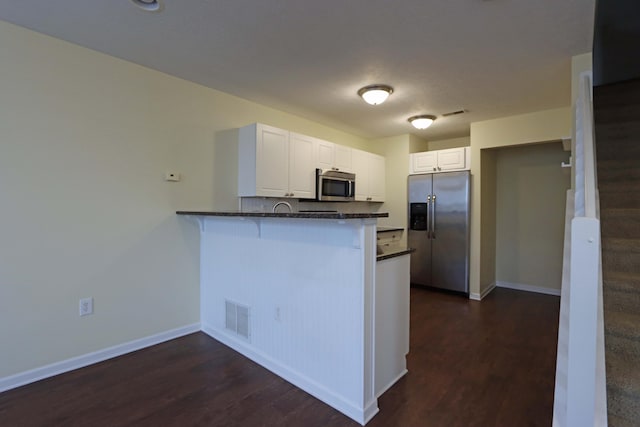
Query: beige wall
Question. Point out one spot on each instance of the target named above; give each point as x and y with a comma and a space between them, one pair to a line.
488, 214
84, 142
417, 145
530, 203
443, 144
396, 152
542, 126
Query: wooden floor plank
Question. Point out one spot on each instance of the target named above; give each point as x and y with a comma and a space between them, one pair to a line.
471, 364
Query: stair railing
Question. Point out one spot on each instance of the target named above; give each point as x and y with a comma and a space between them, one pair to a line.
580, 397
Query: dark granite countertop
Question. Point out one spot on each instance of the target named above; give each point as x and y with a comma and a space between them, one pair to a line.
307, 215
385, 229
396, 252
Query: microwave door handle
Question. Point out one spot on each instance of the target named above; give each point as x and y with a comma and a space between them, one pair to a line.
350, 189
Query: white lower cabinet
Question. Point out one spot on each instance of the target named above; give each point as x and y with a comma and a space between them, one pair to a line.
392, 321
273, 162
370, 176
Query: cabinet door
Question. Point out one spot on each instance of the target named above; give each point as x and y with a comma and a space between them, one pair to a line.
451, 159
302, 172
272, 161
343, 158
360, 165
423, 162
377, 177
324, 153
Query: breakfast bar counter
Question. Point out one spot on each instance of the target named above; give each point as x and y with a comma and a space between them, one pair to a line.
296, 293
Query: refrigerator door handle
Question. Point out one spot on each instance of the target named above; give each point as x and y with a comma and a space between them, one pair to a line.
433, 216
428, 228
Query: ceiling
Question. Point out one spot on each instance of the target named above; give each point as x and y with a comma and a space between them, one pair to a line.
494, 58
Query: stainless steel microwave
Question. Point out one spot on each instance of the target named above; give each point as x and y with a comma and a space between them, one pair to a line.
335, 186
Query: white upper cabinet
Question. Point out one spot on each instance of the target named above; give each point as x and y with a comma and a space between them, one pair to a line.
274, 163
343, 159
361, 169
325, 154
423, 162
452, 159
377, 178
302, 173
332, 156
440, 160
370, 176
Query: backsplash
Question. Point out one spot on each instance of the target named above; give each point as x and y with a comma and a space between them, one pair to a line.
265, 204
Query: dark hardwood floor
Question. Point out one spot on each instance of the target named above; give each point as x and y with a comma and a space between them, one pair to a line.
471, 364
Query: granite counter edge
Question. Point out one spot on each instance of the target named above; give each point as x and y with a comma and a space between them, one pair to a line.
303, 215
395, 254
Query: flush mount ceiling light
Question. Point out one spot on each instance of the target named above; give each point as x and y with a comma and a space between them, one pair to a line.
148, 5
375, 94
421, 122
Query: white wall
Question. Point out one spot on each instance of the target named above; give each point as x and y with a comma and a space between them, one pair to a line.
84, 142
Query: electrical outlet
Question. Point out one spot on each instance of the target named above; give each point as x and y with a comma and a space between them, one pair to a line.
276, 315
86, 306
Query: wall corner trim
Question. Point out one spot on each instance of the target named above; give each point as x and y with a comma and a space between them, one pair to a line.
33, 375
478, 297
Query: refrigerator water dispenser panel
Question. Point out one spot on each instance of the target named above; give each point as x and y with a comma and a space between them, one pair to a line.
418, 216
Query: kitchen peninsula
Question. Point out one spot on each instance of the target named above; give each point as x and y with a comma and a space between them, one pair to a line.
296, 293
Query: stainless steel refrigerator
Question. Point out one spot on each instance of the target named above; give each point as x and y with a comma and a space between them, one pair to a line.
439, 230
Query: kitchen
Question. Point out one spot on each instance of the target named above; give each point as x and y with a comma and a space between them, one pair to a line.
351, 303
107, 132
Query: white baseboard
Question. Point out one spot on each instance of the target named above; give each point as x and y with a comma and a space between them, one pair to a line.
528, 288
47, 371
391, 383
360, 415
370, 411
478, 297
